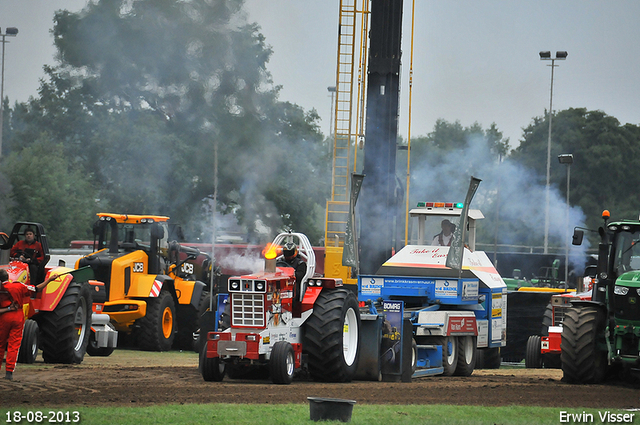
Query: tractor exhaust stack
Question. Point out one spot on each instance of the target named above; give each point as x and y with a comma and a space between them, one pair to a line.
270, 265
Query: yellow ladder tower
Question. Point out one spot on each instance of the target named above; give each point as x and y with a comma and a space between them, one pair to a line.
350, 35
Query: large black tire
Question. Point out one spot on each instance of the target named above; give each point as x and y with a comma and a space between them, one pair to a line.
583, 356
29, 345
466, 355
533, 357
332, 336
65, 330
205, 303
282, 363
551, 361
212, 369
449, 353
157, 329
94, 350
488, 358
188, 322
547, 320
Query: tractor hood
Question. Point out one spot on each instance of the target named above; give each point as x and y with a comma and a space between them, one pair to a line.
420, 260
629, 279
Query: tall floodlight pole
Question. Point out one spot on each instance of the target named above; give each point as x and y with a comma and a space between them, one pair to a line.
567, 158
562, 55
9, 32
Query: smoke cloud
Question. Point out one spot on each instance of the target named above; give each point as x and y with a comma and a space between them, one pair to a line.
511, 197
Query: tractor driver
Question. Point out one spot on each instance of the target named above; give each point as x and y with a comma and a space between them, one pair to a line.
28, 251
293, 259
444, 238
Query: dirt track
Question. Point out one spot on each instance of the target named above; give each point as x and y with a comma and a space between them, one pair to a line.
139, 378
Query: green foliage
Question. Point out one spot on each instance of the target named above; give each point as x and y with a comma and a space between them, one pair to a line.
602, 148
49, 190
146, 90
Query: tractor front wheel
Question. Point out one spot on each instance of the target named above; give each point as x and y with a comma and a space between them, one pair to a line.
533, 356
332, 336
282, 363
212, 369
29, 345
156, 331
583, 348
65, 330
94, 350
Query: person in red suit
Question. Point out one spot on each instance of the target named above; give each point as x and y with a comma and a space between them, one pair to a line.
19, 250
13, 295
29, 251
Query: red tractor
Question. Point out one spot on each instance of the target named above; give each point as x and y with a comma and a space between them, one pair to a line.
59, 318
544, 351
282, 324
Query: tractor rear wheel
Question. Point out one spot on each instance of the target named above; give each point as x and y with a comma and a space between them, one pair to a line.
332, 336
466, 355
282, 363
66, 329
547, 320
212, 369
583, 352
488, 358
449, 353
188, 320
533, 357
551, 361
156, 330
29, 345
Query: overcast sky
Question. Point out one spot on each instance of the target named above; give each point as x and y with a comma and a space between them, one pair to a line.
474, 60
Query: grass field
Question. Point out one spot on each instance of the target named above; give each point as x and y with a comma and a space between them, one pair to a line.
299, 414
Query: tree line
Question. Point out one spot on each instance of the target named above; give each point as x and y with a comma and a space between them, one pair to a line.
158, 106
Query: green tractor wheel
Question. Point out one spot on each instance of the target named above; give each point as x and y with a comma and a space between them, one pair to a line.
584, 360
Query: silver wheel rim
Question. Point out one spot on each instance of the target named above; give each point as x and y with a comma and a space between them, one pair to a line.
468, 349
290, 364
350, 337
80, 323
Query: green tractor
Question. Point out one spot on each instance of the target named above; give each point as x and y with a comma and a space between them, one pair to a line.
602, 336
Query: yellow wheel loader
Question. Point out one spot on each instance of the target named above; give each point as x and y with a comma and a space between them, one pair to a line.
151, 286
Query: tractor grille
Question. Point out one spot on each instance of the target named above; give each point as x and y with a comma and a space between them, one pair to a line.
558, 315
247, 310
627, 306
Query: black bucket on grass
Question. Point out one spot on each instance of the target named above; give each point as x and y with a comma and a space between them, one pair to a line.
330, 409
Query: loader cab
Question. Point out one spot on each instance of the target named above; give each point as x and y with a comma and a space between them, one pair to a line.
121, 234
